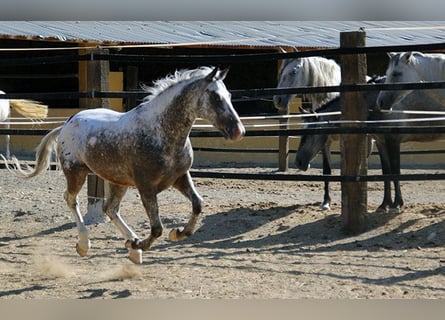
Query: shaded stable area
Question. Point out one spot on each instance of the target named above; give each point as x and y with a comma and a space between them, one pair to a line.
19, 74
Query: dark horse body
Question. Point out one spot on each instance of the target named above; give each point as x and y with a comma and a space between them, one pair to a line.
147, 147
311, 145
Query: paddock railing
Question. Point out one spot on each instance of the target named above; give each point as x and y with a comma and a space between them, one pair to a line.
280, 129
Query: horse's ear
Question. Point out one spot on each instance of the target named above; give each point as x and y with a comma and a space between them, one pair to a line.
223, 73
408, 57
211, 75
303, 110
391, 54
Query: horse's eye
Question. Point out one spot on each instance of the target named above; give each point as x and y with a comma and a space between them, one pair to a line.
217, 99
396, 74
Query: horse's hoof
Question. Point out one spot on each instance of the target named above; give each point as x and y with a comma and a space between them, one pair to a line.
82, 251
173, 235
381, 210
132, 244
395, 210
325, 207
135, 256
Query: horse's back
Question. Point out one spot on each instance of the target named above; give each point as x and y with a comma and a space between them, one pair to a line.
84, 130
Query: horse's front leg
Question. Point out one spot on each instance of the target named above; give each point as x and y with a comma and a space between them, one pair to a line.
326, 153
185, 185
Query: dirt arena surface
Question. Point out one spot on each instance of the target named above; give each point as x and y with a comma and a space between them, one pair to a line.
256, 239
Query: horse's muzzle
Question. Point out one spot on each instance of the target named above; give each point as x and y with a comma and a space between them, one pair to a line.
302, 165
281, 104
237, 133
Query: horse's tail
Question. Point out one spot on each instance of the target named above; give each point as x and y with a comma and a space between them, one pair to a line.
29, 108
43, 156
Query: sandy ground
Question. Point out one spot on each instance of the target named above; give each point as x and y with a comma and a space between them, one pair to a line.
256, 239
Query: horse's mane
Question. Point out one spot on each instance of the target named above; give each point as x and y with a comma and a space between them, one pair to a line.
321, 72
162, 84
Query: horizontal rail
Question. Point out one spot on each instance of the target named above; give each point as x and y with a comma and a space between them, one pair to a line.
303, 177
238, 95
283, 132
334, 152
196, 173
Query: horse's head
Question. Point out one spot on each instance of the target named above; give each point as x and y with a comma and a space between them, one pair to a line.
215, 105
291, 75
310, 144
402, 67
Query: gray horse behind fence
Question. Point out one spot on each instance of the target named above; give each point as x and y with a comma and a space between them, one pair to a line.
147, 147
411, 67
307, 72
388, 145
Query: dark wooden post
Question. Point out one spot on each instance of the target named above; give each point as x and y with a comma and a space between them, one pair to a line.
354, 151
97, 79
131, 84
283, 147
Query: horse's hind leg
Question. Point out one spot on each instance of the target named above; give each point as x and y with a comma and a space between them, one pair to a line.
386, 169
394, 157
75, 180
111, 208
185, 185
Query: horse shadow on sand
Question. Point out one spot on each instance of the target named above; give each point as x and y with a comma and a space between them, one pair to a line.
60, 228
230, 230
228, 234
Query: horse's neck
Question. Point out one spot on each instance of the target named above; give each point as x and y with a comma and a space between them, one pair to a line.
432, 68
427, 100
171, 115
332, 106
320, 73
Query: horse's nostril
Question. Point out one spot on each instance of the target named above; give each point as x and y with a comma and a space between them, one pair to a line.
300, 164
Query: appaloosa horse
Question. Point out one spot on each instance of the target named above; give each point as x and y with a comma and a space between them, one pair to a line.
147, 147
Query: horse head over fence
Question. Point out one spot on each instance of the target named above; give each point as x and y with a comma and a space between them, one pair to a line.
307, 72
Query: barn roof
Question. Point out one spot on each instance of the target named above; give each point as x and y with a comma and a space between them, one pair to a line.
301, 34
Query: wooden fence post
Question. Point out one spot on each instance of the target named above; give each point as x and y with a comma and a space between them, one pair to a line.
353, 147
283, 147
96, 78
130, 85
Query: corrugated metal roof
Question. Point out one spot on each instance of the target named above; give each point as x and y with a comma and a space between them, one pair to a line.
227, 33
